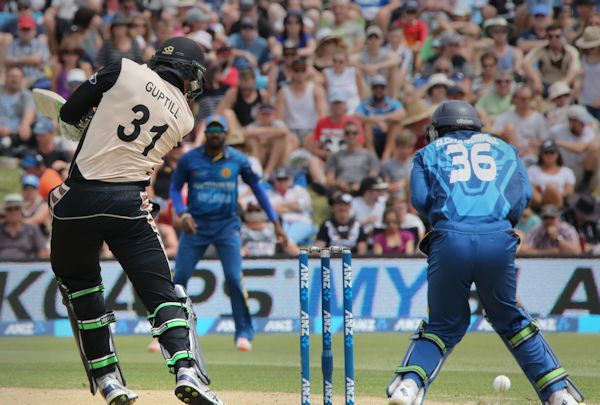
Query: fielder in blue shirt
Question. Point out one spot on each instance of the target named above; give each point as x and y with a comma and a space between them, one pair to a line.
473, 188
211, 172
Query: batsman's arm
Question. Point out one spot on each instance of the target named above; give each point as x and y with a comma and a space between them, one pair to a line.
419, 187
89, 94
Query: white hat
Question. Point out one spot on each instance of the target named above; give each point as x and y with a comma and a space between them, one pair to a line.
558, 89
76, 75
579, 113
438, 79
202, 38
590, 38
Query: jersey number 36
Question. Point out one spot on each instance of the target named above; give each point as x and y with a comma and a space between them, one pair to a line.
483, 166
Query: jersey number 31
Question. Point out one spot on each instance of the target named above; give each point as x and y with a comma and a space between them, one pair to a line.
483, 166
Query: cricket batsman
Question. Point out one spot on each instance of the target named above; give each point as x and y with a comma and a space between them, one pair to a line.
474, 188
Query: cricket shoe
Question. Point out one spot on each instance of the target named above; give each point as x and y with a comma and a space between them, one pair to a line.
243, 344
114, 392
405, 393
562, 397
191, 390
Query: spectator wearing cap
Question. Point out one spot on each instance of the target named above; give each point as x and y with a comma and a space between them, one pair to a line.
197, 20
293, 30
269, 139
398, 48
350, 30
53, 157
589, 44
578, 145
553, 236
302, 102
346, 168
248, 9
69, 58
523, 127
396, 170
559, 94
393, 239
369, 206
49, 178
498, 100
35, 209
583, 212
374, 59
119, 44
380, 115
19, 240
508, 56
536, 34
251, 50
551, 180
552, 62
16, 111
341, 228
452, 49
415, 30
29, 52
11, 22
344, 79
293, 204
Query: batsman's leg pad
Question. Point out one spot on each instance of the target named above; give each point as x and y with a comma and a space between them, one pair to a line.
426, 376
90, 324
168, 321
546, 379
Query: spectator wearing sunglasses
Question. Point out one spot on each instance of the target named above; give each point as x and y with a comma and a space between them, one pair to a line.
499, 99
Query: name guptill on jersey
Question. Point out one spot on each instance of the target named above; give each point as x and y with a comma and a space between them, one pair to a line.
159, 95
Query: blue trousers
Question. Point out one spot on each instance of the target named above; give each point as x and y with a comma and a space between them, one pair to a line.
228, 245
456, 260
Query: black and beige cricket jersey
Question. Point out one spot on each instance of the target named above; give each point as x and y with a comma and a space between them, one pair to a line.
139, 117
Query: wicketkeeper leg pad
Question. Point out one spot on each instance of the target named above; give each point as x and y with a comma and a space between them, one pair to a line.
90, 323
174, 324
429, 347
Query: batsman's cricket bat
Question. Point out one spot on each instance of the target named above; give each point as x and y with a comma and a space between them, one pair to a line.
48, 103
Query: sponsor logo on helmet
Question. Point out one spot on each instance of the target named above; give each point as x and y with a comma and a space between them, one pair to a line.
464, 121
168, 50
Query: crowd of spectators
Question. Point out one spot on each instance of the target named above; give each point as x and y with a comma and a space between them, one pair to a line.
330, 99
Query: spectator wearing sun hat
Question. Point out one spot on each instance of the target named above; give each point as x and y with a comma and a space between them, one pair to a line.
19, 240
509, 57
553, 235
589, 44
559, 94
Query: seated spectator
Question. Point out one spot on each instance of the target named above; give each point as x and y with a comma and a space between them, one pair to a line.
396, 170
281, 73
508, 57
35, 210
498, 100
528, 221
418, 117
29, 53
257, 233
344, 26
11, 23
452, 53
375, 60
398, 47
583, 212
240, 103
346, 168
559, 94
556, 61
577, 143
342, 229
380, 115
393, 240
484, 83
408, 221
16, 112
536, 35
302, 102
214, 91
269, 139
551, 180
225, 58
19, 240
293, 30
49, 178
552, 236
119, 44
368, 207
44, 136
293, 205
251, 50
69, 58
327, 44
524, 127
342, 78
415, 30
589, 44
248, 11
437, 88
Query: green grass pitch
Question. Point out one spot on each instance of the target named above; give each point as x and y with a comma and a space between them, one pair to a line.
273, 365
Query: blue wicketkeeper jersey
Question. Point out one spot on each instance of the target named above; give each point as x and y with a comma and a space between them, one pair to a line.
471, 178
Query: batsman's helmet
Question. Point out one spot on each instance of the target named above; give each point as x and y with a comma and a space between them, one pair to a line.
184, 58
453, 115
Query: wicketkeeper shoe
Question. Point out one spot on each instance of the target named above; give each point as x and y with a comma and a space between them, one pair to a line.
191, 390
405, 393
114, 392
243, 344
562, 397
